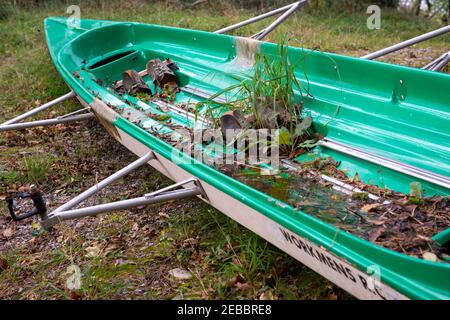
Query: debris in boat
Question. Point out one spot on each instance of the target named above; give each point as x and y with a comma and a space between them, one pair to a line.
172, 65
269, 100
391, 222
162, 74
133, 83
404, 223
430, 256
230, 121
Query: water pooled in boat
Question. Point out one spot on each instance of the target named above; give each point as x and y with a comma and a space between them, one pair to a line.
309, 196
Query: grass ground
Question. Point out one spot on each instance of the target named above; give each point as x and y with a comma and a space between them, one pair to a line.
129, 254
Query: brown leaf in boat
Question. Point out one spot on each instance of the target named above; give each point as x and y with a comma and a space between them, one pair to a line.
172, 65
133, 83
161, 74
228, 121
374, 234
430, 256
370, 207
411, 208
376, 222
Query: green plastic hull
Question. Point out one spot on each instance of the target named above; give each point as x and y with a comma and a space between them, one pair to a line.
392, 111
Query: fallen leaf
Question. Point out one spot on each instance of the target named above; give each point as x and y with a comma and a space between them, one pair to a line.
243, 286
370, 207
430, 256
73, 281
376, 222
75, 295
109, 249
374, 234
35, 225
79, 225
3, 264
92, 252
180, 274
8, 233
267, 295
163, 214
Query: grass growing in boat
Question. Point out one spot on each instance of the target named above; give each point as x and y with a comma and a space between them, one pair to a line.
158, 238
272, 98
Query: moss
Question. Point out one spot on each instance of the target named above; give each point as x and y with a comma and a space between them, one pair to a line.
363, 196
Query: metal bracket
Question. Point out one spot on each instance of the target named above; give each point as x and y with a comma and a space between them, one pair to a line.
195, 181
15, 124
65, 212
288, 11
35, 195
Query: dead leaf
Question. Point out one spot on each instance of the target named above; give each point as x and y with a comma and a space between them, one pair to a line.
430, 256
267, 295
79, 225
370, 207
180, 274
374, 234
376, 222
3, 264
163, 214
243, 286
109, 249
35, 225
8, 233
92, 252
73, 281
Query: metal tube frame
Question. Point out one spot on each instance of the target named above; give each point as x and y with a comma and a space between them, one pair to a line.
105, 182
288, 11
15, 124
47, 105
407, 43
48, 122
118, 205
65, 212
294, 7
439, 63
388, 163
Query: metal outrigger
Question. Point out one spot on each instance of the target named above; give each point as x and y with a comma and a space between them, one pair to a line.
15, 124
439, 63
288, 11
175, 191
436, 65
172, 192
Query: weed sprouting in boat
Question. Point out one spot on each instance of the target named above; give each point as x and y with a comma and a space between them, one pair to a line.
272, 98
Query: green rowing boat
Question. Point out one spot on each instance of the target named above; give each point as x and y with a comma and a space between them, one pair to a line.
384, 125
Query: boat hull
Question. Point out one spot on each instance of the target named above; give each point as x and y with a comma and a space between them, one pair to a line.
349, 261
335, 269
